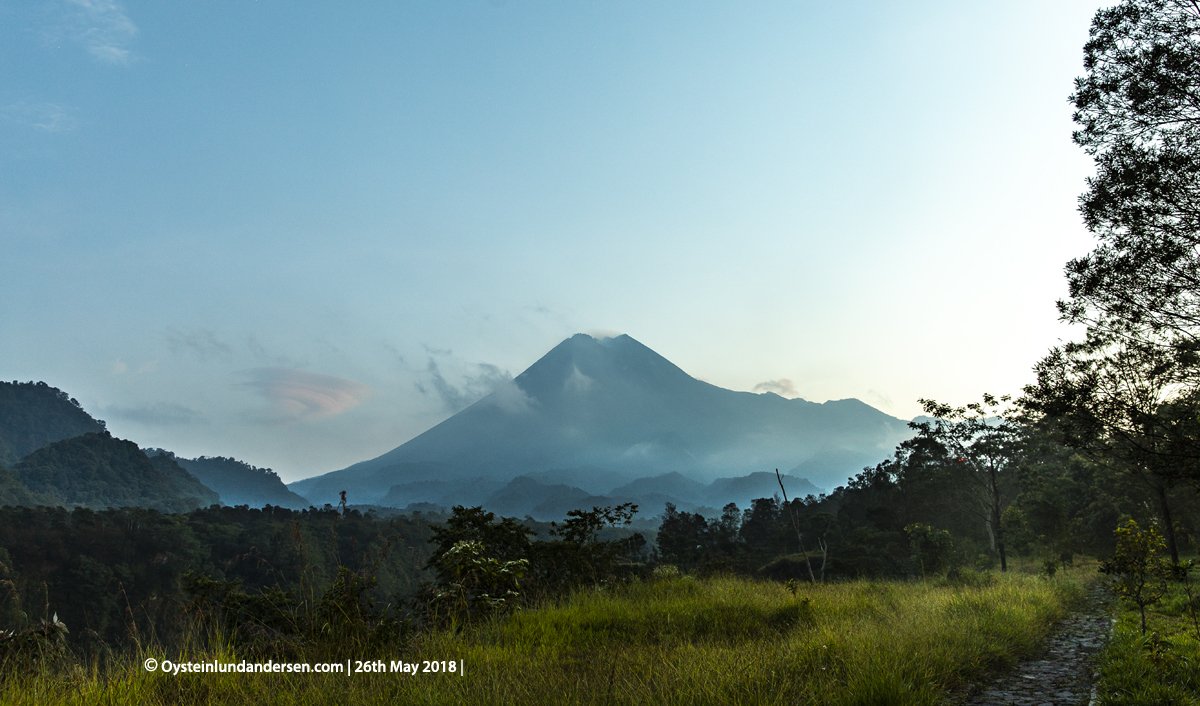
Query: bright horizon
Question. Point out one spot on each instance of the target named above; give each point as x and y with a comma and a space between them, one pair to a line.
301, 235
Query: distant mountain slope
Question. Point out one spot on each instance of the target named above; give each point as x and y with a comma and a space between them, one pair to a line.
756, 485
240, 483
616, 406
33, 415
99, 471
185, 484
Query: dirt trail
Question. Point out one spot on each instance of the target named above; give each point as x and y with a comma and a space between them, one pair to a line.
1063, 674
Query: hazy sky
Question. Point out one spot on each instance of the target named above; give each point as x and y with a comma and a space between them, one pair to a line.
301, 233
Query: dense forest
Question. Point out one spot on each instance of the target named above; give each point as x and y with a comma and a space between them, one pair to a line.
119, 575
33, 415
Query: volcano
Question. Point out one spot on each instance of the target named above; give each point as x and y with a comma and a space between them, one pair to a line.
613, 409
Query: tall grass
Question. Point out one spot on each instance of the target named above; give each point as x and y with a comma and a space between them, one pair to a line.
1158, 668
672, 641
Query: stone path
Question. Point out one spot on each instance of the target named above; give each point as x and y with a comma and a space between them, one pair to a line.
1063, 674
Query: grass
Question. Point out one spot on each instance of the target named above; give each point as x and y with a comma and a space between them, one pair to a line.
1159, 668
673, 641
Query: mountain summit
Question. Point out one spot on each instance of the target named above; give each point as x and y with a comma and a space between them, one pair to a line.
612, 404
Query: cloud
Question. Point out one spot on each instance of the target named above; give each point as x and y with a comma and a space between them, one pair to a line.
782, 387
47, 117
202, 342
602, 333
880, 400
118, 367
300, 395
490, 380
99, 26
159, 414
508, 396
577, 382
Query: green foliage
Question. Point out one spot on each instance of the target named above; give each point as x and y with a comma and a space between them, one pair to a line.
578, 556
677, 640
33, 415
13, 492
1139, 574
932, 549
120, 575
344, 620
99, 471
39, 647
471, 585
239, 483
184, 485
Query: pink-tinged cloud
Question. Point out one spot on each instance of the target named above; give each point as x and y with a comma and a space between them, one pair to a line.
300, 395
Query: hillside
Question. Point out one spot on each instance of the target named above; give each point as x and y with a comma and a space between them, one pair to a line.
33, 415
98, 471
613, 406
13, 492
239, 483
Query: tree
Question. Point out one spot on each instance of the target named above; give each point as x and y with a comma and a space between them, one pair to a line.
1128, 401
1129, 391
1139, 574
1138, 108
981, 447
684, 538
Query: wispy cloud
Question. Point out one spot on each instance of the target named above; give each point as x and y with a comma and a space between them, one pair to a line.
118, 367
782, 387
881, 400
100, 26
46, 117
158, 414
577, 382
490, 380
201, 342
301, 395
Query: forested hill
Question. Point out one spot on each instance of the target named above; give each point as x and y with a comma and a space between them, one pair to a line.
33, 414
13, 492
238, 482
99, 471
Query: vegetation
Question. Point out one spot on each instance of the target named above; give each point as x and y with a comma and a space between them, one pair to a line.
671, 639
99, 471
129, 576
879, 592
238, 482
1154, 654
35, 414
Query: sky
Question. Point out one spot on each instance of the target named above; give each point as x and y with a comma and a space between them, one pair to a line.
301, 233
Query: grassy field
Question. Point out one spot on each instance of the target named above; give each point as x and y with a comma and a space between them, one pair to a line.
677, 640
1160, 668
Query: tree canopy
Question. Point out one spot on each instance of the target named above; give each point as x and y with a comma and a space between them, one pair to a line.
1138, 111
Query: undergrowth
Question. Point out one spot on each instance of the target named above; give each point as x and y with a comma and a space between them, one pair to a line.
670, 640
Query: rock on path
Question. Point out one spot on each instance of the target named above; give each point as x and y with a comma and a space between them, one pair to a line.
1062, 675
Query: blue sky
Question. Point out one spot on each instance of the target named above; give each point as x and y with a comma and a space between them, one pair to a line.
302, 233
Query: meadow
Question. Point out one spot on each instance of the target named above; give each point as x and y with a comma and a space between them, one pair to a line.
671, 639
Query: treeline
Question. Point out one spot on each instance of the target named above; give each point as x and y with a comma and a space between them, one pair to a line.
128, 574
34, 414
969, 490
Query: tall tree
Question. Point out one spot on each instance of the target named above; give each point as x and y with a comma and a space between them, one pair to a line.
1138, 108
1128, 401
981, 447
